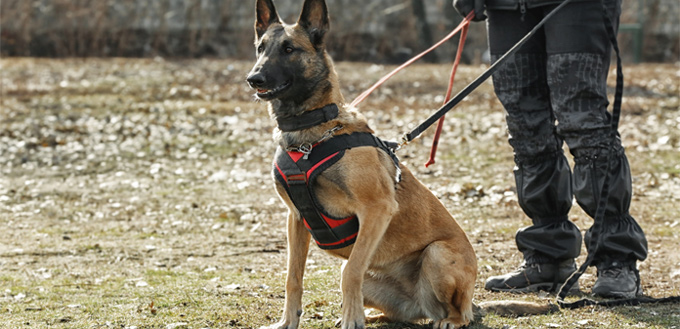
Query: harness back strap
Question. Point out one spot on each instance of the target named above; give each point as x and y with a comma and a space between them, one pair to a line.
298, 175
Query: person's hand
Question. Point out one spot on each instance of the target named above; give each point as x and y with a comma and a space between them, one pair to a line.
464, 7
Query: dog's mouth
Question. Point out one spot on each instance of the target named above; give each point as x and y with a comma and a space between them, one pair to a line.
272, 93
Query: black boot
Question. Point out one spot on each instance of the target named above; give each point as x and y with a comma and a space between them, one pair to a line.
617, 279
534, 277
552, 242
622, 241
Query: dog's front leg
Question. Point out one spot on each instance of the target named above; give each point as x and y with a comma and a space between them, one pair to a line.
298, 246
376, 215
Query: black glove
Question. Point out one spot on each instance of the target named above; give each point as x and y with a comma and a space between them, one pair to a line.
464, 7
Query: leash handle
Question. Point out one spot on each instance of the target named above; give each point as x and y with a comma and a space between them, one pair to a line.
413, 134
440, 125
375, 86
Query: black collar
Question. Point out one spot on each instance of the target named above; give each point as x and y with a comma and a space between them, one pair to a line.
308, 119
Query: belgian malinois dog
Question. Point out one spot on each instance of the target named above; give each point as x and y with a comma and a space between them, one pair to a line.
409, 259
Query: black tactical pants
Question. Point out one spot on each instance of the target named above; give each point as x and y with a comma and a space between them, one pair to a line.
554, 91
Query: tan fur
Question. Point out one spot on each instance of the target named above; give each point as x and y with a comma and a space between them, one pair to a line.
411, 259
515, 308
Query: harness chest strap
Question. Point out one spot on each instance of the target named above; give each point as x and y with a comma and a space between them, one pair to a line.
297, 174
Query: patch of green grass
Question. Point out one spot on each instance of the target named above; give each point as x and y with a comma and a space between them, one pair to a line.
665, 231
663, 161
221, 149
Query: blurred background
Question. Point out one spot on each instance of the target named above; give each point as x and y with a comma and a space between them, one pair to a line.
381, 31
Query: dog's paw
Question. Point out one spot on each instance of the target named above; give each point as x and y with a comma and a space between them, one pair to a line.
280, 325
353, 317
352, 325
290, 320
283, 324
445, 324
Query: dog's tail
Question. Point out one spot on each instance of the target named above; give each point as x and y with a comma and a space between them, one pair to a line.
513, 308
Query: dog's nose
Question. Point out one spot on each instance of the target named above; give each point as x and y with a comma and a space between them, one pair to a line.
256, 80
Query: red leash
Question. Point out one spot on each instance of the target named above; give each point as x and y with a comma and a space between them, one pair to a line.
461, 26
440, 125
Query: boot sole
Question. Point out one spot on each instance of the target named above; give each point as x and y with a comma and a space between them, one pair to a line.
618, 294
536, 288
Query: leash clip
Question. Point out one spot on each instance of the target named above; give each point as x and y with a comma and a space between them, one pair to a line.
404, 141
306, 149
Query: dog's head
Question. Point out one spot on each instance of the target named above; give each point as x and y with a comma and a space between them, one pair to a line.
291, 59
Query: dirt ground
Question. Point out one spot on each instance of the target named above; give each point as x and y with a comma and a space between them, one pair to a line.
136, 193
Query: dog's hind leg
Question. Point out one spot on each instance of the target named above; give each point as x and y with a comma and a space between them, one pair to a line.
446, 284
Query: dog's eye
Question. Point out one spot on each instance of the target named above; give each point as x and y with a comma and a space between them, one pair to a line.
260, 48
288, 50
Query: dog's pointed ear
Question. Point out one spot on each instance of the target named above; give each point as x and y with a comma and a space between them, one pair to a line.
314, 19
265, 14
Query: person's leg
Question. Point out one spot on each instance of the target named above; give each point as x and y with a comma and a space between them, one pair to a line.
542, 174
578, 63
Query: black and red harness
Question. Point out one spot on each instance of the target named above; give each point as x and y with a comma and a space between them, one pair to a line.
297, 171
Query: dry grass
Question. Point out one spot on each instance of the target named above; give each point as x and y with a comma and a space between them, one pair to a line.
136, 193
